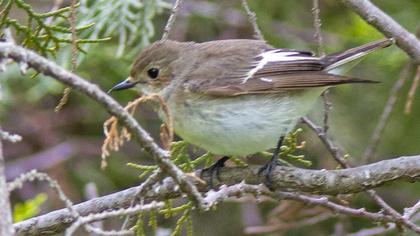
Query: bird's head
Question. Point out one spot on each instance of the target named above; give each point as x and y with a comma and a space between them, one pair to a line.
155, 66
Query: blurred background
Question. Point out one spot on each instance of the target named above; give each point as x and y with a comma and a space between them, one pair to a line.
67, 144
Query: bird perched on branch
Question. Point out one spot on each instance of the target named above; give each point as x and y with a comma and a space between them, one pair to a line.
238, 97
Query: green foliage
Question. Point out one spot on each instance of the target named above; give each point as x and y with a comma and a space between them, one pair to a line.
185, 218
139, 225
289, 147
130, 21
168, 212
39, 34
180, 157
153, 220
29, 208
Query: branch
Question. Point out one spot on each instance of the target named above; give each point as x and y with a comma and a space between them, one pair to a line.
121, 212
253, 20
339, 158
388, 26
49, 68
6, 221
332, 182
171, 20
336, 152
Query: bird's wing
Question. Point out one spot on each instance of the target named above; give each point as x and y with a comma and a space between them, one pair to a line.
272, 71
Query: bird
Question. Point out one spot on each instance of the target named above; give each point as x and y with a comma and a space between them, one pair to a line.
238, 97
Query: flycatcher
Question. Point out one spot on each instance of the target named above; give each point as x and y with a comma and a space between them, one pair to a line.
237, 97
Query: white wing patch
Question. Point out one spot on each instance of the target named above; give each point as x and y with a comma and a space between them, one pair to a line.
275, 56
266, 79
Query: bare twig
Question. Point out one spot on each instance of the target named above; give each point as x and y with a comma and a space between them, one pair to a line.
50, 68
171, 20
253, 20
317, 26
412, 211
412, 92
139, 195
119, 212
258, 191
264, 229
335, 151
380, 230
391, 211
327, 108
392, 98
73, 24
388, 26
34, 175
323, 201
321, 52
6, 222
407, 42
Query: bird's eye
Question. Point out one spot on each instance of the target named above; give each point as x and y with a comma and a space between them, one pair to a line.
153, 73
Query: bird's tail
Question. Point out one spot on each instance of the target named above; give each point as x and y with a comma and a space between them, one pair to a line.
335, 60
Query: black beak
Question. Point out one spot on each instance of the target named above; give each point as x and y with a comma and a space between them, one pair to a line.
126, 84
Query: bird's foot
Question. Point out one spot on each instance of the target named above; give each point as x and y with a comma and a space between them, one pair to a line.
268, 168
214, 171
267, 171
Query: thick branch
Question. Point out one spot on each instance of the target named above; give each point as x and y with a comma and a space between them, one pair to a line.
388, 26
332, 182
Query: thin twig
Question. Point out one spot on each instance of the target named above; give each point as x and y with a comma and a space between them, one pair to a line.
390, 104
139, 195
327, 104
321, 52
412, 211
171, 20
412, 92
107, 214
258, 191
407, 41
334, 151
392, 212
380, 230
73, 24
6, 219
34, 175
253, 20
283, 226
317, 25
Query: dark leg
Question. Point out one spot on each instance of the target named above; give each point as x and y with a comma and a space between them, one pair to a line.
214, 170
270, 165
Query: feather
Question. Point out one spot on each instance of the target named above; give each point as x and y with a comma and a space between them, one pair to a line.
271, 70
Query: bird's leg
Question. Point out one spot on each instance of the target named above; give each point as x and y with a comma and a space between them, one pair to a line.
214, 170
271, 164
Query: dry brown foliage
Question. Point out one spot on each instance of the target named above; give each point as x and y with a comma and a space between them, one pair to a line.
115, 136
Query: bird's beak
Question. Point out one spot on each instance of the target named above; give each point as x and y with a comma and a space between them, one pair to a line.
126, 84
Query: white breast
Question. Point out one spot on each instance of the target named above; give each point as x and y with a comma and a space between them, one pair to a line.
240, 125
